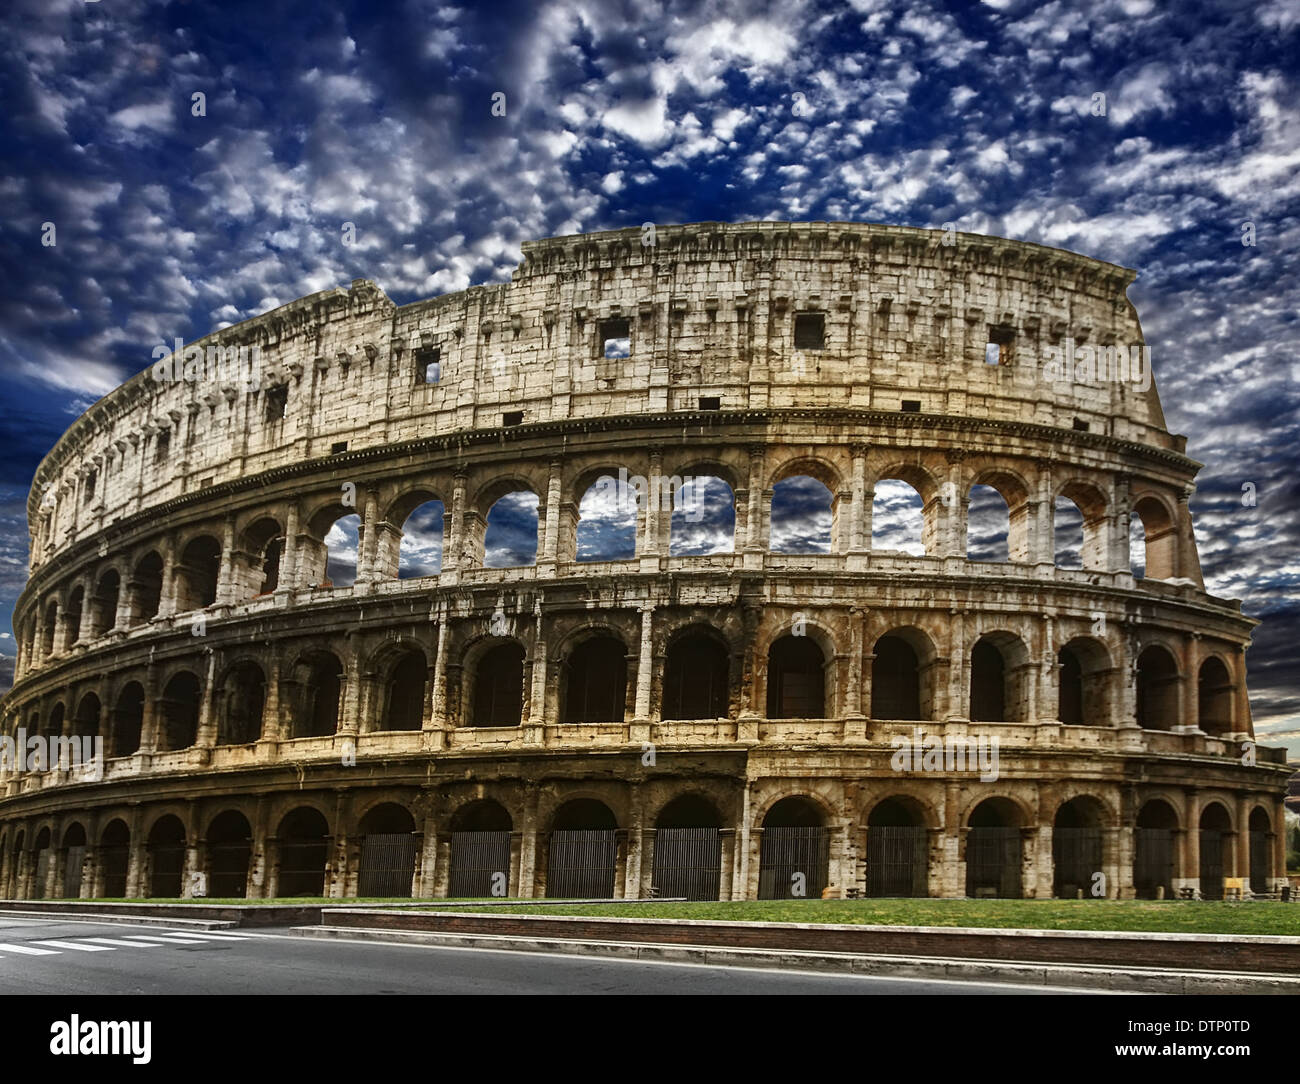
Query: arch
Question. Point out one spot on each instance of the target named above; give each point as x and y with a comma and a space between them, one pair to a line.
72, 617
73, 845
342, 543
510, 536
688, 849
1261, 850
697, 675
263, 543
304, 850
196, 574
388, 851
803, 515
482, 815
902, 682
1157, 689
607, 519
404, 691
1214, 696
796, 679
1087, 536
897, 849
1159, 534
794, 854
145, 588
1154, 851
497, 689
53, 727
998, 690
1216, 849
988, 524
703, 520
51, 623
44, 852
85, 724
314, 689
242, 700
994, 850
1083, 687
594, 681
1077, 847
1067, 533
128, 719
103, 603
114, 858
179, 713
898, 516
229, 849
419, 553
480, 850
165, 848
581, 851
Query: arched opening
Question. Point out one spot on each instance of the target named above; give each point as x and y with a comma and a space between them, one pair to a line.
165, 847
1077, 849
703, 521
179, 712
74, 861
697, 674
1216, 850
242, 698
1261, 850
688, 849
896, 678
404, 692
197, 574
85, 724
1067, 533
794, 856
582, 851
304, 850
1082, 694
263, 543
229, 848
997, 685
796, 679
53, 726
1154, 852
898, 518
1159, 540
103, 604
595, 682
128, 718
114, 859
72, 618
342, 541
802, 516
480, 850
510, 540
1082, 535
420, 551
388, 847
44, 864
897, 851
988, 525
607, 521
1157, 689
497, 698
51, 625
1214, 692
994, 851
315, 687
146, 588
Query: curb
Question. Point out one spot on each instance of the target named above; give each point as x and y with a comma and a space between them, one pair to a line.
1082, 977
122, 919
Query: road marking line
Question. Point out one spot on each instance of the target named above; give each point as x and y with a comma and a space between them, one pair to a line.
74, 945
29, 951
120, 944
165, 940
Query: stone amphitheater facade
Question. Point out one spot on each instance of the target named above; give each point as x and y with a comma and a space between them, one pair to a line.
734, 725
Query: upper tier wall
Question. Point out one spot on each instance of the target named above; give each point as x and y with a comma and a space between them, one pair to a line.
711, 312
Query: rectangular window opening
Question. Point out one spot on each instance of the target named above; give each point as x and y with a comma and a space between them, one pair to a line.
997, 351
809, 331
1080, 425
616, 338
428, 365
912, 406
162, 448
277, 402
338, 446
91, 478
512, 417
710, 402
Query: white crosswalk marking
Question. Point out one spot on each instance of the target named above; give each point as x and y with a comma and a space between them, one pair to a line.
75, 946
27, 950
209, 936
119, 944
165, 940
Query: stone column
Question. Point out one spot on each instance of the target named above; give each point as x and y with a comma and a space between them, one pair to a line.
635, 844
860, 509
958, 708
549, 529
644, 670
1189, 687
193, 864
288, 578
528, 845
1191, 844
208, 727
226, 574
369, 537
756, 541
136, 856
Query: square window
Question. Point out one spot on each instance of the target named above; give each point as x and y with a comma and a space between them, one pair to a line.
277, 402
992, 352
997, 350
616, 338
809, 331
912, 406
1080, 425
710, 402
90, 486
428, 365
512, 417
338, 446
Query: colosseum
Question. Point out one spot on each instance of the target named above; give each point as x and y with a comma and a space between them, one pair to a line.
640, 718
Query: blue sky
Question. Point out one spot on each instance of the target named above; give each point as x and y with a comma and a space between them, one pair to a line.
170, 224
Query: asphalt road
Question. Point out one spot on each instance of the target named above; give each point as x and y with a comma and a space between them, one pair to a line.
56, 956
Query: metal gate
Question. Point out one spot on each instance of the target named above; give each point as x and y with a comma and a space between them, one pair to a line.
1211, 864
167, 862
387, 864
302, 868
72, 871
1076, 860
787, 852
1153, 863
228, 870
44, 857
114, 862
1259, 861
580, 864
688, 863
476, 858
896, 861
993, 862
